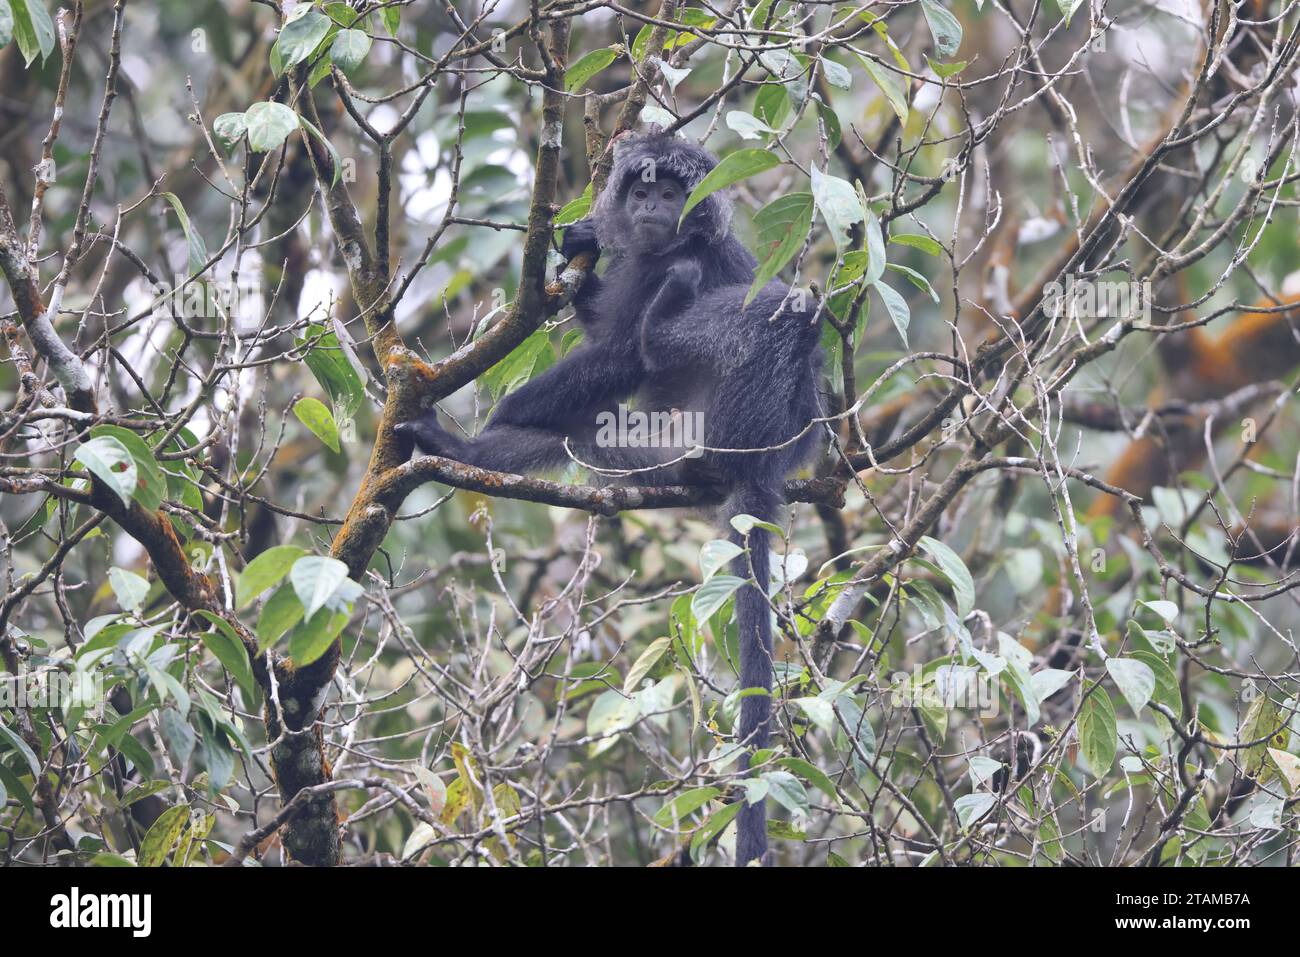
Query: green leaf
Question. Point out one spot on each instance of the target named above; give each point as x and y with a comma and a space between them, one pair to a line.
786, 790
520, 365
647, 660
715, 554
301, 35
313, 637
315, 578
1135, 680
276, 60
330, 364
1166, 692
982, 769
1098, 732
831, 121
612, 712
151, 483
813, 775
1262, 719
877, 257
955, 570
227, 648
1049, 839
197, 249
819, 711
790, 69
575, 210
179, 736
313, 414
337, 160
1067, 8
349, 49
129, 588
837, 75
268, 124
1165, 609
672, 75
588, 66
747, 523
689, 17
715, 825
838, 202
713, 594
782, 226
320, 70
891, 84
11, 783
739, 165
747, 125
684, 804
1288, 768
1018, 659
971, 807
281, 612
183, 481
944, 26
33, 29
923, 243
216, 755
945, 70
110, 462
916, 279
897, 308
162, 835
340, 13
1049, 681
230, 128
771, 105
264, 571
19, 745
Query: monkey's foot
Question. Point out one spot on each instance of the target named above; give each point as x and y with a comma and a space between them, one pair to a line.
428, 435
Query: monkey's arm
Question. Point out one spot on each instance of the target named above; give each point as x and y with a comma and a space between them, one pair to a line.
571, 391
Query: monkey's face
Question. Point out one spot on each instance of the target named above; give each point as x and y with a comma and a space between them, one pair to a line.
652, 210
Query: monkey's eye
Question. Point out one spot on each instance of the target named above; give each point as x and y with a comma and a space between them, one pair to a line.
669, 193
640, 194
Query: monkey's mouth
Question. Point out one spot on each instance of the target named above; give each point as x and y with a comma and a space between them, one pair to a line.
660, 227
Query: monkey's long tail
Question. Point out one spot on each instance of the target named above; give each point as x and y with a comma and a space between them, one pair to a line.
755, 619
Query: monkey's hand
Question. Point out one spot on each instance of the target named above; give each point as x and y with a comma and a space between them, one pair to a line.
580, 237
430, 437
681, 283
683, 280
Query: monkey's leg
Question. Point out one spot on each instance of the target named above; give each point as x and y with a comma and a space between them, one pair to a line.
523, 450
512, 448
562, 400
573, 389
502, 448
